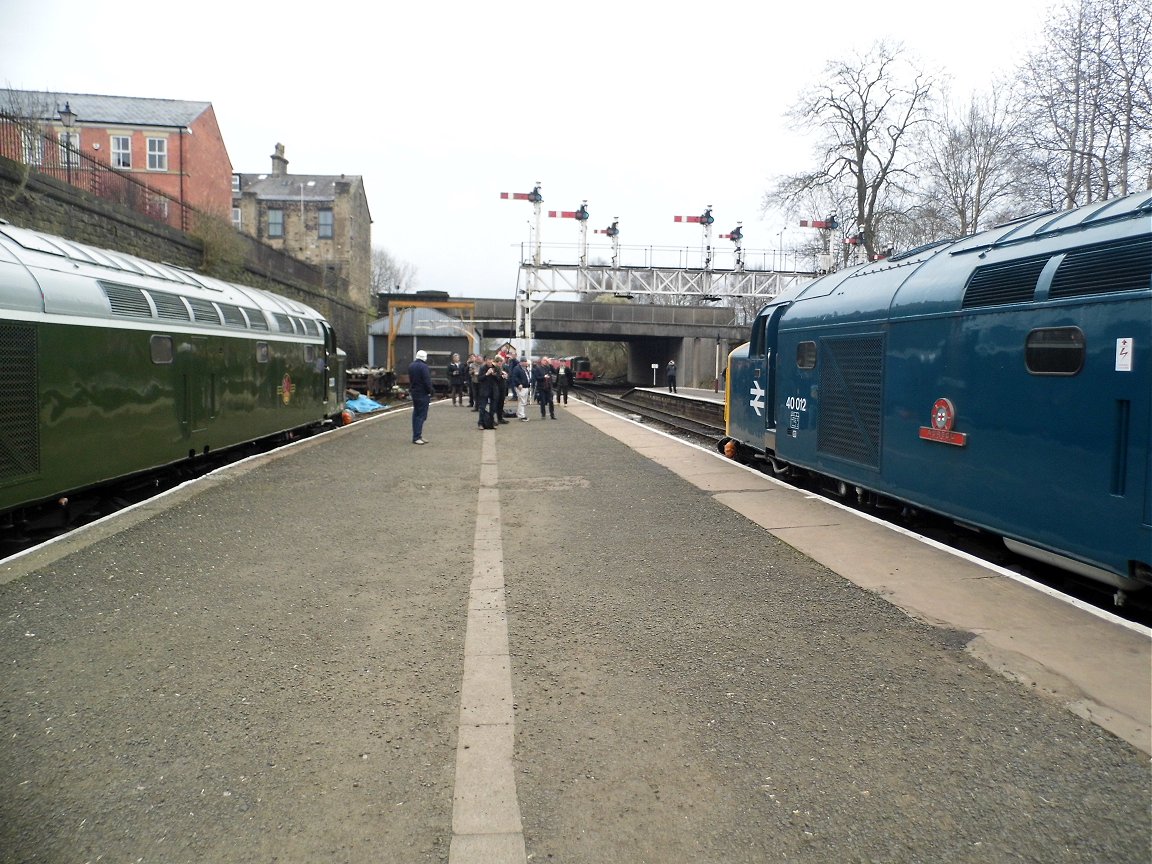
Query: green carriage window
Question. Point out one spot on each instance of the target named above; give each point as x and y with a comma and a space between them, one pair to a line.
1054, 351
162, 352
261, 352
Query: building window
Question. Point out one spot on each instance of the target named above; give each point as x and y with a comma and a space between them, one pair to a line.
325, 229
121, 151
236, 221
157, 154
69, 147
235, 182
33, 146
275, 223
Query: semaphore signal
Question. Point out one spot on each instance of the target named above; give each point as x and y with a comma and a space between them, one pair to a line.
613, 231
705, 220
537, 199
580, 216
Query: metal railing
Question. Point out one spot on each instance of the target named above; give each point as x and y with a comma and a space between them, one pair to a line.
46, 153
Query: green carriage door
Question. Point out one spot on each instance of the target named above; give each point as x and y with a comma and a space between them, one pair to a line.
196, 383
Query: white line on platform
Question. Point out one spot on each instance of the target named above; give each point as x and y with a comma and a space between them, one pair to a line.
486, 827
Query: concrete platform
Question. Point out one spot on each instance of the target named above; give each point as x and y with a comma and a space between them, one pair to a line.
572, 639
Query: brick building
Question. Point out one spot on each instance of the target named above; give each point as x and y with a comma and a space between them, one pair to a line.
170, 145
322, 219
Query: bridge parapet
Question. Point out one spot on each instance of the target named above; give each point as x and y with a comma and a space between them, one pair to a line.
553, 319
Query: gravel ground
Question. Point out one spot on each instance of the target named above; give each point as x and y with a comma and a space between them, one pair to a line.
256, 674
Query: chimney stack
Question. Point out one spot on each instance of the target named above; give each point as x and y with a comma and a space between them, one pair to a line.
279, 163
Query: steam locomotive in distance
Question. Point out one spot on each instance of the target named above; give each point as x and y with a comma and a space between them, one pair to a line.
1003, 380
111, 365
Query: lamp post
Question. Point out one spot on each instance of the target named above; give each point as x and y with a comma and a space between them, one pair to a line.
68, 118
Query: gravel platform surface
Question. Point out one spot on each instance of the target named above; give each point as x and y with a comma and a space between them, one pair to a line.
268, 669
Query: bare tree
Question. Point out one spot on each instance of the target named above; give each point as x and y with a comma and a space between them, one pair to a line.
866, 113
1089, 127
390, 275
970, 167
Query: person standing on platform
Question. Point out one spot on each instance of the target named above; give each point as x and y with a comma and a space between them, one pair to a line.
521, 383
542, 380
457, 374
563, 381
421, 391
475, 364
671, 376
490, 391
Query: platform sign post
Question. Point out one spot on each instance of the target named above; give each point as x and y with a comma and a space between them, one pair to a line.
716, 381
655, 366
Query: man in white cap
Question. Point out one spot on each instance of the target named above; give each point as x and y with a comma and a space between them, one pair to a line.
421, 391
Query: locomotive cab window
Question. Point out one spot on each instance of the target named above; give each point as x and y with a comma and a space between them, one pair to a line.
161, 347
261, 352
806, 355
1055, 351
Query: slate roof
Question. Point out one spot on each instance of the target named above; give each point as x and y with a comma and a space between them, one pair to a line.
293, 187
107, 110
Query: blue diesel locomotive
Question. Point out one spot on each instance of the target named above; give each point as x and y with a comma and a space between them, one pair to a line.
111, 365
1003, 380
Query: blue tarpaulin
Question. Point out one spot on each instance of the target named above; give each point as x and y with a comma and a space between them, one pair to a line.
363, 405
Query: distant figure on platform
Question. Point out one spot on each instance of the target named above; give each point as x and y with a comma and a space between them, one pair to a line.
522, 384
671, 376
563, 381
421, 391
475, 364
490, 394
457, 375
542, 380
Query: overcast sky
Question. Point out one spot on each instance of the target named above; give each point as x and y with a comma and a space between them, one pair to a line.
647, 110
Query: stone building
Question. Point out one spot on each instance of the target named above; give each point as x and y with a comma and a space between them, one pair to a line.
317, 218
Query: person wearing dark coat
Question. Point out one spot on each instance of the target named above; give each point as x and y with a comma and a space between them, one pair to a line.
457, 376
421, 391
490, 389
563, 382
543, 377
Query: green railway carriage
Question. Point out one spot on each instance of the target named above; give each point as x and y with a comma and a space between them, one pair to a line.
111, 365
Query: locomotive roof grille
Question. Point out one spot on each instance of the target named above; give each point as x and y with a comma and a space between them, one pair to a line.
1000, 284
170, 306
126, 300
256, 319
1124, 266
203, 311
233, 317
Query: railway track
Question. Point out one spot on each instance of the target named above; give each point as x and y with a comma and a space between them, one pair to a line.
706, 428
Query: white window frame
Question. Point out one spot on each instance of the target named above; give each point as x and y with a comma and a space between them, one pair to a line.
69, 147
279, 222
157, 154
121, 157
32, 146
237, 218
